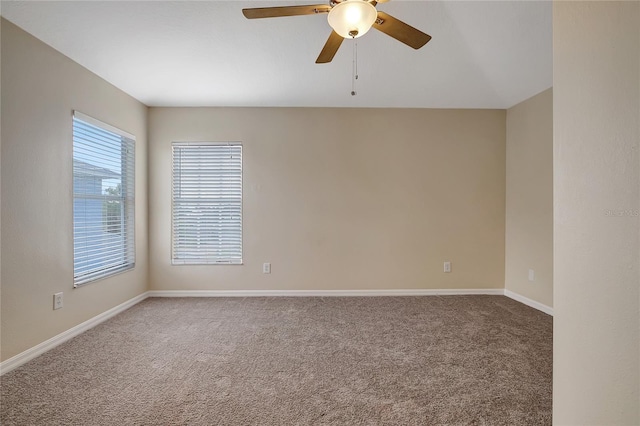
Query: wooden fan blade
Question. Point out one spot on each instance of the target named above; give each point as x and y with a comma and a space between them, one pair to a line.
330, 48
274, 12
400, 31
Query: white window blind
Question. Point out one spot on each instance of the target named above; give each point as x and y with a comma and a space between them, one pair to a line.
207, 203
103, 200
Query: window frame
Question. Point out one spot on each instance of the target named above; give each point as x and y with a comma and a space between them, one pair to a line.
127, 198
206, 261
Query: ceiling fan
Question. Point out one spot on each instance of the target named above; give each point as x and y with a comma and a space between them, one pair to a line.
348, 19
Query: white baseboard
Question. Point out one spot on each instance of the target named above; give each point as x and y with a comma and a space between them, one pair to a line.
26, 356
532, 303
321, 293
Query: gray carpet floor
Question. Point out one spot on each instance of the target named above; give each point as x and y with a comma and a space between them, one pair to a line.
446, 360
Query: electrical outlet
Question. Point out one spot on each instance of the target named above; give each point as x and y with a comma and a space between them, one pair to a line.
447, 267
266, 268
57, 301
532, 275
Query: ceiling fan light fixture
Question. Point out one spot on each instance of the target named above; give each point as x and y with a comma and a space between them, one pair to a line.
352, 18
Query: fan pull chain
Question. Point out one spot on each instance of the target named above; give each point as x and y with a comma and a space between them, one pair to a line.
355, 67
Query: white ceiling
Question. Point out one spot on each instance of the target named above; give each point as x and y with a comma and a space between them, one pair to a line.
205, 53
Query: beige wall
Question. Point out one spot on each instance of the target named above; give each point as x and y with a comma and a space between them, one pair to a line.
40, 89
346, 198
529, 214
596, 104
1, 20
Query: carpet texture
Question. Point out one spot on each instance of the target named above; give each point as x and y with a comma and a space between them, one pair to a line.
447, 360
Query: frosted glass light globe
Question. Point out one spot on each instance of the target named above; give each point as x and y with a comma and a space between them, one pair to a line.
352, 18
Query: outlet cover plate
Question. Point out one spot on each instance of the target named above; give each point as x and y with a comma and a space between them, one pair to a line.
57, 301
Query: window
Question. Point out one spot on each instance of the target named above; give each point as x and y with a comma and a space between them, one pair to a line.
103, 200
207, 203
